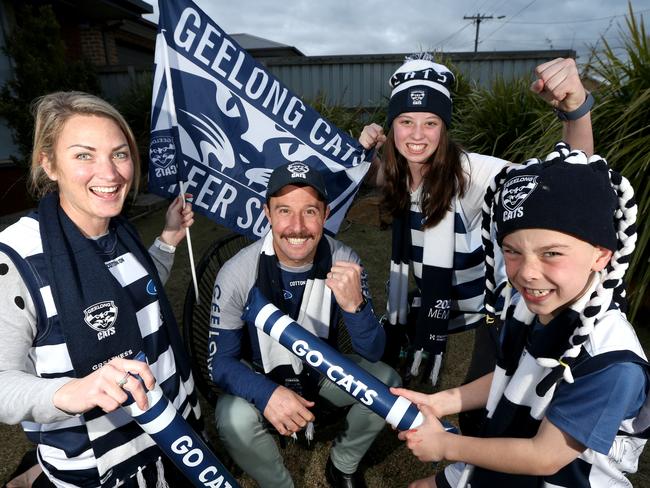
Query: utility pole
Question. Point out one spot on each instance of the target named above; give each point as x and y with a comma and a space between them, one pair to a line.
477, 20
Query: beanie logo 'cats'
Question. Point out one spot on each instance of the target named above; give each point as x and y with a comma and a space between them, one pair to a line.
417, 98
515, 192
434, 72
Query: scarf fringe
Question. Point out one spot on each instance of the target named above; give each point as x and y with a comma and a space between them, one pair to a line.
417, 361
140, 478
435, 371
161, 482
309, 432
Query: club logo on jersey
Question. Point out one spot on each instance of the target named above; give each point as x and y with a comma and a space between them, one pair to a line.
515, 192
151, 288
298, 170
417, 98
101, 317
287, 294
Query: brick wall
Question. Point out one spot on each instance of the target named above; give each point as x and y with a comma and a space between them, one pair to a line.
97, 45
92, 45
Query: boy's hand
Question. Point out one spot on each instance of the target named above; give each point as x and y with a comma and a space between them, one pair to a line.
426, 442
421, 400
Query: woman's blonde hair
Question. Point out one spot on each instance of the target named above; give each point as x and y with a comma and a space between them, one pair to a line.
51, 112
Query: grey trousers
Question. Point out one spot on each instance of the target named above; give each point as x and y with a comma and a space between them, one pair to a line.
253, 448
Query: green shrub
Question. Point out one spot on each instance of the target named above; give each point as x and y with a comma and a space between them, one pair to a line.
350, 120
622, 131
489, 120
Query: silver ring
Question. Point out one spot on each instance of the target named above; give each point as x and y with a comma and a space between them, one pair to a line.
124, 380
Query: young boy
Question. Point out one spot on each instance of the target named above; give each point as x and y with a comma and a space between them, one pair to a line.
567, 401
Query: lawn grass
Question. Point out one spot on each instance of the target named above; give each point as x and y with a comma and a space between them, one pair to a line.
388, 464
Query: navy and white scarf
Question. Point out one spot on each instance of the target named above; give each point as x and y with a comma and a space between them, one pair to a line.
553, 343
437, 260
315, 315
525, 363
89, 300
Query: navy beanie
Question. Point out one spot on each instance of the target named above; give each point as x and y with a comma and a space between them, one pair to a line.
420, 85
572, 198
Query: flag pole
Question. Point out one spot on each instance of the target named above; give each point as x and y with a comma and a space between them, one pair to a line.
172, 112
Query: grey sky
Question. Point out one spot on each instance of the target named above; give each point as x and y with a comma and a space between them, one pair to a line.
329, 27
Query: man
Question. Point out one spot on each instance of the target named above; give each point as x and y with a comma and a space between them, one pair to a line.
314, 279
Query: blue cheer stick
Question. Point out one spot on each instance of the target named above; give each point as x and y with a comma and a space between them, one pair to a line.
180, 443
399, 412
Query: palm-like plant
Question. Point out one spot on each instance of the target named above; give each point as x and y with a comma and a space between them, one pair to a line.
622, 131
490, 119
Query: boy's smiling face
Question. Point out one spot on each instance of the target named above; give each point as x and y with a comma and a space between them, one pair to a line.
550, 269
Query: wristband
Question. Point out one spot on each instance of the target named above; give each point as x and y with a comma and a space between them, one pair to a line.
163, 246
362, 305
581, 111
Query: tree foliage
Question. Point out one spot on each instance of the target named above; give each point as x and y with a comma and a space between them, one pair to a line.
40, 66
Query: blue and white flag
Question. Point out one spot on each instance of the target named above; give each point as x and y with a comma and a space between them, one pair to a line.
222, 123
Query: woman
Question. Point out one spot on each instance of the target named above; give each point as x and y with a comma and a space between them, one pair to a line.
80, 295
434, 191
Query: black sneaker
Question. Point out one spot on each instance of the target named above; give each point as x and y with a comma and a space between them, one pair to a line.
337, 479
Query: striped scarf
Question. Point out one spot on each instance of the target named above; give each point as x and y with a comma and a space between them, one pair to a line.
436, 263
65, 279
315, 315
524, 384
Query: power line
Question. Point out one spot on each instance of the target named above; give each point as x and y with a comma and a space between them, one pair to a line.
512, 17
576, 21
453, 34
498, 5
477, 19
480, 7
555, 39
